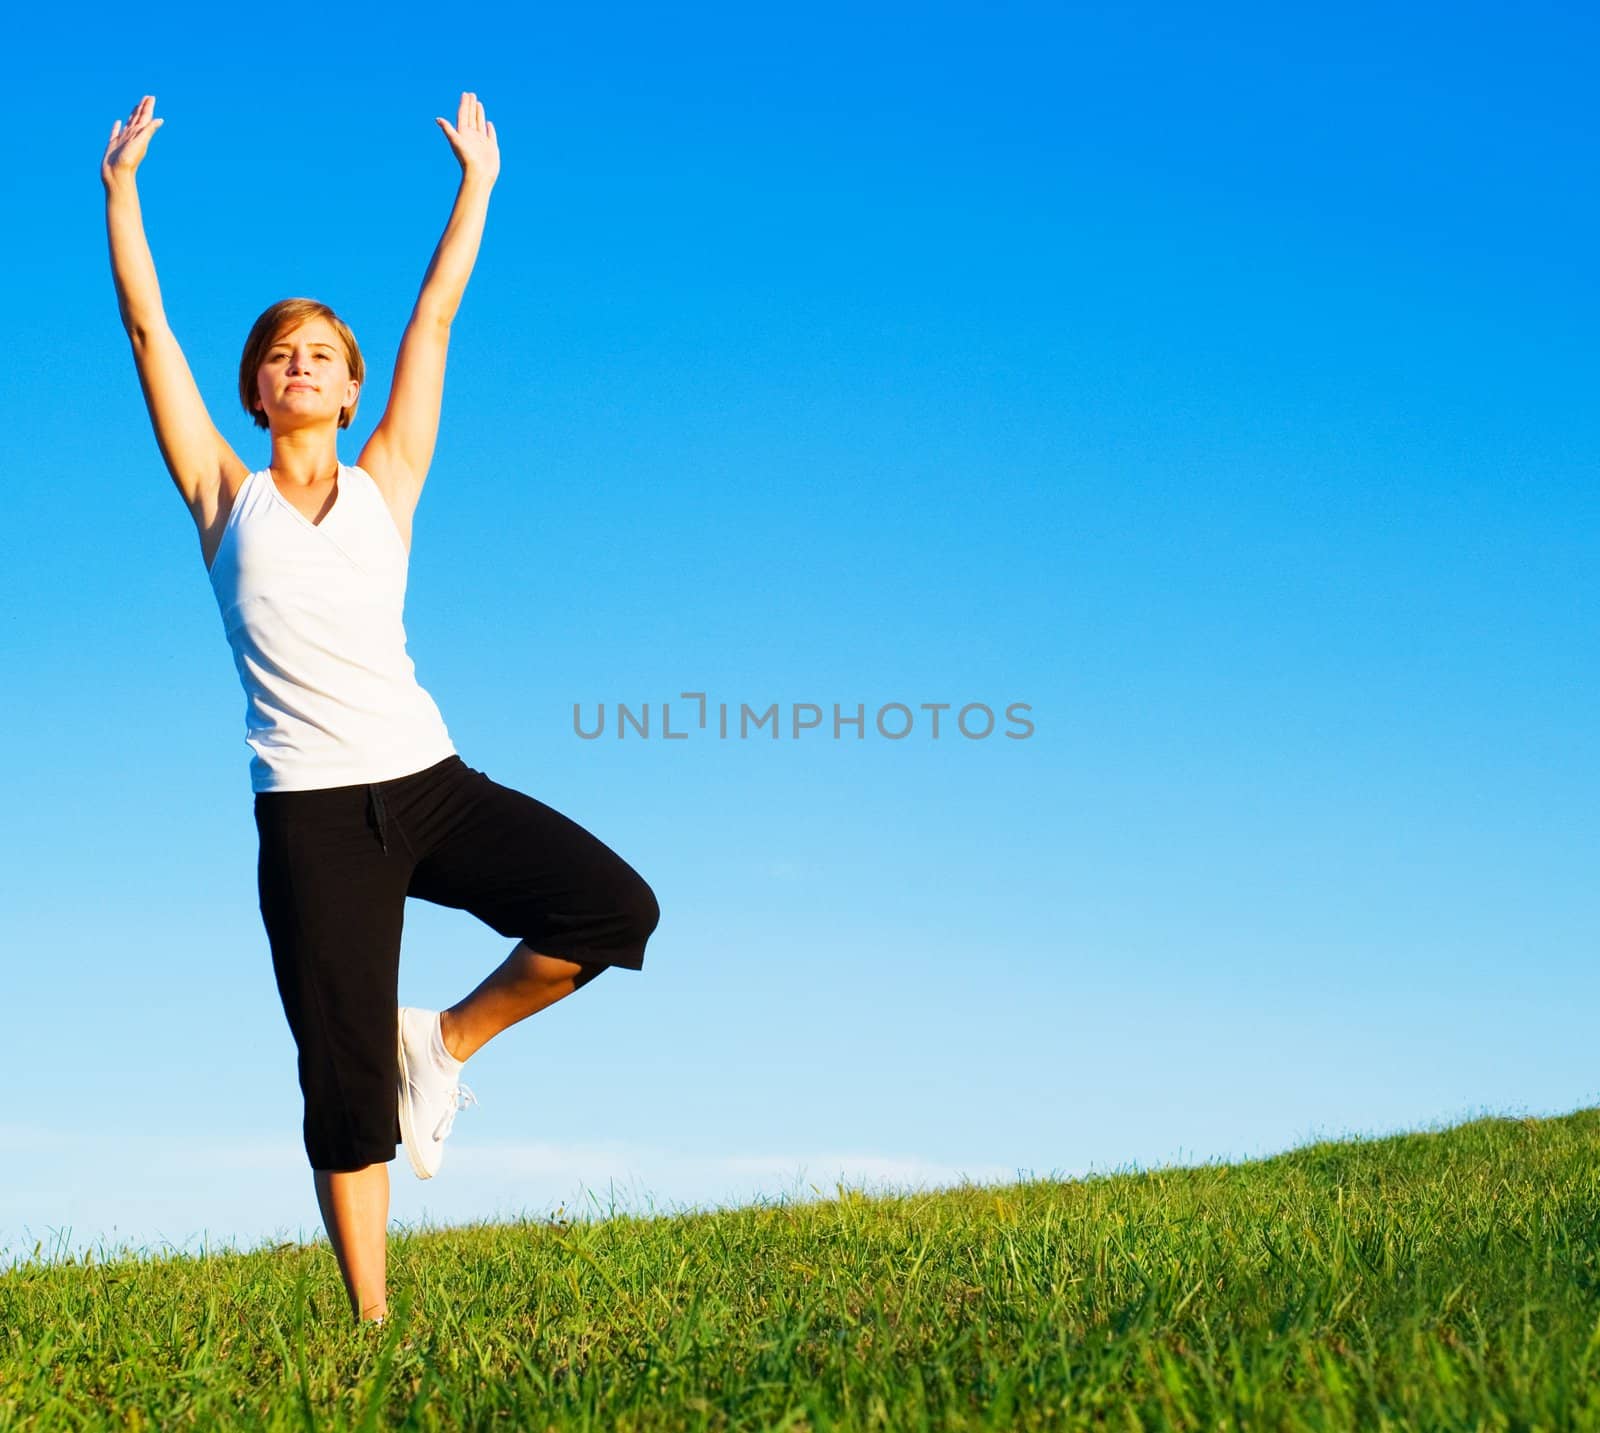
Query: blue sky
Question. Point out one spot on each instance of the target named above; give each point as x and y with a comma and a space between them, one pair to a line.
1221, 384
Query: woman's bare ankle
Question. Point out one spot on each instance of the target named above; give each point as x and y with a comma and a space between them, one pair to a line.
449, 1031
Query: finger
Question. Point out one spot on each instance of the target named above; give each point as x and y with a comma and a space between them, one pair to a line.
462, 112
480, 115
491, 134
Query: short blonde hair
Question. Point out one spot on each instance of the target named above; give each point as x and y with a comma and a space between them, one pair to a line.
283, 316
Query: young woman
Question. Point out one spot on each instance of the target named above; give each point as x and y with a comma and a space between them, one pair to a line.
360, 797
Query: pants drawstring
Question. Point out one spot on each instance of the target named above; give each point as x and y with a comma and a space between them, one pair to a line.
379, 815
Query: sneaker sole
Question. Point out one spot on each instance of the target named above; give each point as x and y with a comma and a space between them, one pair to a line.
408, 1131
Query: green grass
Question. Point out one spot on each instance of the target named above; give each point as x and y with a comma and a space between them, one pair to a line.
1439, 1280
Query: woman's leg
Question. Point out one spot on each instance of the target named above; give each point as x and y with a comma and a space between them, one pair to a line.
523, 984
526, 870
355, 1212
332, 892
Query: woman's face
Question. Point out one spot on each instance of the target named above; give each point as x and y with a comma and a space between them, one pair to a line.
305, 379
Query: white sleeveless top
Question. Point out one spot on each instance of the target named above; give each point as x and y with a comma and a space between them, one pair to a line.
313, 612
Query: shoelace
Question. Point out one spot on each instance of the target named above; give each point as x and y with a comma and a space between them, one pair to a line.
460, 1098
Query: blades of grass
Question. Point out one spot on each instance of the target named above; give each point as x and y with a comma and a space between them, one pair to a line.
396, 1322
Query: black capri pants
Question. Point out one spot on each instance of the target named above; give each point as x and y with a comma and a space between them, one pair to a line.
334, 870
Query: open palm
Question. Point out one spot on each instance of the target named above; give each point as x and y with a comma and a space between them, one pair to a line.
129, 140
473, 139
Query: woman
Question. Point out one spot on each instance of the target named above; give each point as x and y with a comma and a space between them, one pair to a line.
360, 797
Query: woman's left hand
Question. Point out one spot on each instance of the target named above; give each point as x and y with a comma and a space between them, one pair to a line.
472, 140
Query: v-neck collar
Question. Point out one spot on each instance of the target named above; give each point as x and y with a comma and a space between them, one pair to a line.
338, 498
323, 528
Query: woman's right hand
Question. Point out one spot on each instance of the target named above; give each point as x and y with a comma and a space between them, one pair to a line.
129, 140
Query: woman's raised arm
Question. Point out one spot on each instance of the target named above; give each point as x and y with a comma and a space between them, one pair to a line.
196, 454
400, 449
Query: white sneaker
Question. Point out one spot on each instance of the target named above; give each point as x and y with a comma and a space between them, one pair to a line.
430, 1093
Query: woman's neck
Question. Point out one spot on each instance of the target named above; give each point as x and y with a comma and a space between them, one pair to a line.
304, 460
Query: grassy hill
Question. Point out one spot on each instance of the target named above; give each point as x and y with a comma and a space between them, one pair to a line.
1448, 1279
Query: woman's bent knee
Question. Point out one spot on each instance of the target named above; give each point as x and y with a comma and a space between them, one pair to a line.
646, 912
